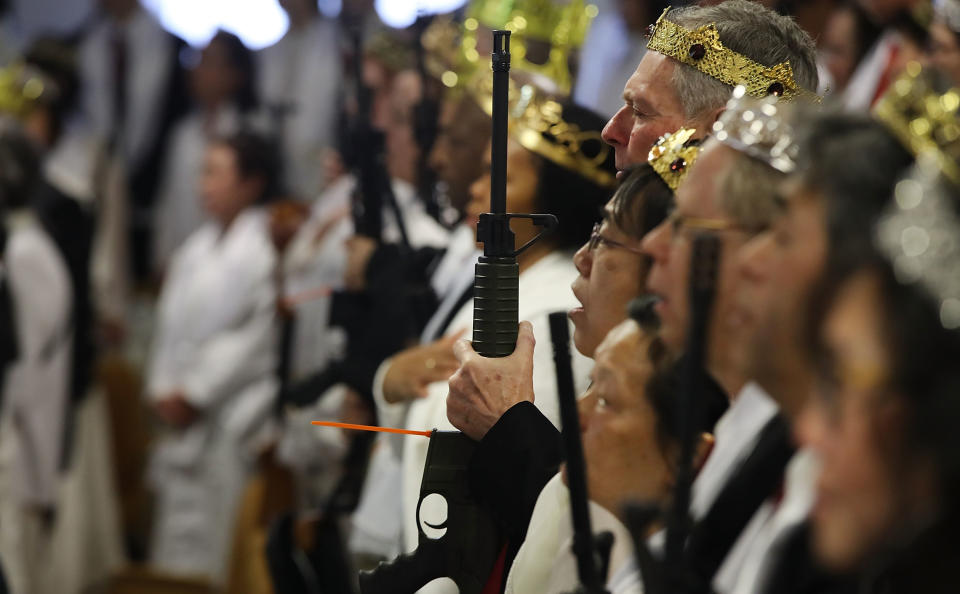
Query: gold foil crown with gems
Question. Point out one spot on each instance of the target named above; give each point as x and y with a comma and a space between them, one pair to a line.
537, 123
671, 157
702, 49
560, 26
925, 119
22, 87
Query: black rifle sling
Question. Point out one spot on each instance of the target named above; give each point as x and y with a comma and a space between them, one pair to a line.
757, 478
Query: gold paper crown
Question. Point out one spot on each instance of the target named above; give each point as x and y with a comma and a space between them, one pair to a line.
671, 157
703, 50
536, 121
22, 88
560, 26
924, 119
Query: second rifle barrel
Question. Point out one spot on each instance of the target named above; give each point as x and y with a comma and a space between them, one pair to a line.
498, 151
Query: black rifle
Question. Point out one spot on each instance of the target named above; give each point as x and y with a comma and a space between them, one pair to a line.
467, 552
673, 574
468, 548
593, 557
368, 154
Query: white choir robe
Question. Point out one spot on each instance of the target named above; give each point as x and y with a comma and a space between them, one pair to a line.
178, 211
302, 74
35, 394
544, 288
216, 339
545, 562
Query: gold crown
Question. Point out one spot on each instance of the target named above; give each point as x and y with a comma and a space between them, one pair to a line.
671, 157
703, 50
560, 27
23, 87
924, 119
443, 52
536, 121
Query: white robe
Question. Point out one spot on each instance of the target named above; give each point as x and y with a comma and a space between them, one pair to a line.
216, 340
35, 394
302, 72
544, 288
178, 211
545, 562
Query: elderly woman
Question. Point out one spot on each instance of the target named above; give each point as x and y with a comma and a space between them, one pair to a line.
211, 376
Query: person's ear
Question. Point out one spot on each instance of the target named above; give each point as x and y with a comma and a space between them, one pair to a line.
702, 452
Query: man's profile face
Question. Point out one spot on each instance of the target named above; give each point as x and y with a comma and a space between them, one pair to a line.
778, 270
651, 109
670, 246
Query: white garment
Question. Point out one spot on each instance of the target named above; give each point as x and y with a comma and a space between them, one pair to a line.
150, 63
544, 288
215, 340
36, 388
35, 394
302, 73
862, 88
747, 567
545, 562
178, 210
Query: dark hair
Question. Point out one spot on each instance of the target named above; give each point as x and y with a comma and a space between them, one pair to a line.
853, 162
662, 387
256, 157
241, 59
55, 58
575, 200
19, 169
641, 202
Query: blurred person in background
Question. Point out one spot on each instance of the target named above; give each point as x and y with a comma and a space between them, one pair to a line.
35, 393
133, 90
223, 97
848, 36
212, 373
299, 81
945, 39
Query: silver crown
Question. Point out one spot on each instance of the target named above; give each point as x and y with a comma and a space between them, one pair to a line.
759, 128
949, 12
920, 236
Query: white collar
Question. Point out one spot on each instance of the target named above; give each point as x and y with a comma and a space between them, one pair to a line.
736, 433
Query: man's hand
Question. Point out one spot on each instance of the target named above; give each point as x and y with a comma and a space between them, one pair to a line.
176, 410
412, 370
359, 251
483, 389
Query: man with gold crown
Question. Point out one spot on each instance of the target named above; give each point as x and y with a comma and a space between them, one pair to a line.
700, 52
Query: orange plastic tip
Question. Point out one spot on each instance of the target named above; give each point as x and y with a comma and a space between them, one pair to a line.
370, 428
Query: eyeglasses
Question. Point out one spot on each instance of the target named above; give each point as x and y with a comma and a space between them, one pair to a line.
596, 240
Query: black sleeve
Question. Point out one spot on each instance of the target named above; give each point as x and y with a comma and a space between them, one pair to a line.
513, 462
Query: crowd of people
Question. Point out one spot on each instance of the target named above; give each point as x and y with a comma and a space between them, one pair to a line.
203, 250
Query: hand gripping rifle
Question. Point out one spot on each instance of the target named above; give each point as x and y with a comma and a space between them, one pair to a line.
468, 549
593, 556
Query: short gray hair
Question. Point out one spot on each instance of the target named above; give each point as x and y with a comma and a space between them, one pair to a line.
749, 29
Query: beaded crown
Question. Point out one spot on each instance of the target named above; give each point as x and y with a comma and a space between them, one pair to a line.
758, 128
672, 156
702, 49
923, 118
22, 87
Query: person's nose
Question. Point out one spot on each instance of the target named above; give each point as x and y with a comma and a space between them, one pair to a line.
656, 243
617, 131
583, 260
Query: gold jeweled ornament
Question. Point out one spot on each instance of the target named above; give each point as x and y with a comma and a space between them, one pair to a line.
21, 87
925, 120
702, 49
671, 157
